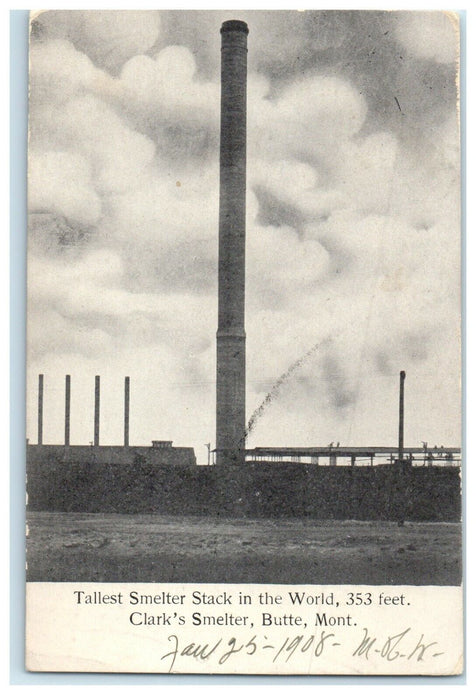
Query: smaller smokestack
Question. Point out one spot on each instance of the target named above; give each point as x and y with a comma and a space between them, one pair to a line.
401, 416
126, 410
67, 408
40, 409
96, 409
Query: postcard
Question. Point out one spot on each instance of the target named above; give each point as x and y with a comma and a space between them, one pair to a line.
244, 343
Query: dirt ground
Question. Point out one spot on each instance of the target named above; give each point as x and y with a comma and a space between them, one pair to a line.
158, 548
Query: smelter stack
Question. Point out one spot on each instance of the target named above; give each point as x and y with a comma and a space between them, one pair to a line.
231, 338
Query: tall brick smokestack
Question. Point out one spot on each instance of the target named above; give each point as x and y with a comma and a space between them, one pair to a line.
231, 338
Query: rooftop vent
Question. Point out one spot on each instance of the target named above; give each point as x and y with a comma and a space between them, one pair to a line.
160, 444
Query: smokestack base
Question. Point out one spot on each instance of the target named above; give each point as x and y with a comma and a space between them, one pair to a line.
230, 457
234, 25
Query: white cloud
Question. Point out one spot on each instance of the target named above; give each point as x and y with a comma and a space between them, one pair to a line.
119, 154
307, 119
167, 87
58, 71
278, 262
168, 206
61, 181
366, 172
93, 286
109, 37
429, 35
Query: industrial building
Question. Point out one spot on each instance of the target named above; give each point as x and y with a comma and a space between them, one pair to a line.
160, 452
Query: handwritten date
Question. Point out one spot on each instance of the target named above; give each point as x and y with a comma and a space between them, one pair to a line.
404, 644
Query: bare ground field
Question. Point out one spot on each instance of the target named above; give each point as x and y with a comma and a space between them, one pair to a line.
157, 548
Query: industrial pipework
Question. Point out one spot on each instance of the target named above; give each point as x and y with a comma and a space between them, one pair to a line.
401, 416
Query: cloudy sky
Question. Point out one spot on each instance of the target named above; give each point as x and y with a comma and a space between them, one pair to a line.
353, 230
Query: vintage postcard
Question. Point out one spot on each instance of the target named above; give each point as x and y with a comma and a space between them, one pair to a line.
244, 352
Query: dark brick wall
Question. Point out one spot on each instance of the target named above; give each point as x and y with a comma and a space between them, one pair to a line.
262, 490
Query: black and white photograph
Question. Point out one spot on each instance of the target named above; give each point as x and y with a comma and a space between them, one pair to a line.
244, 299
